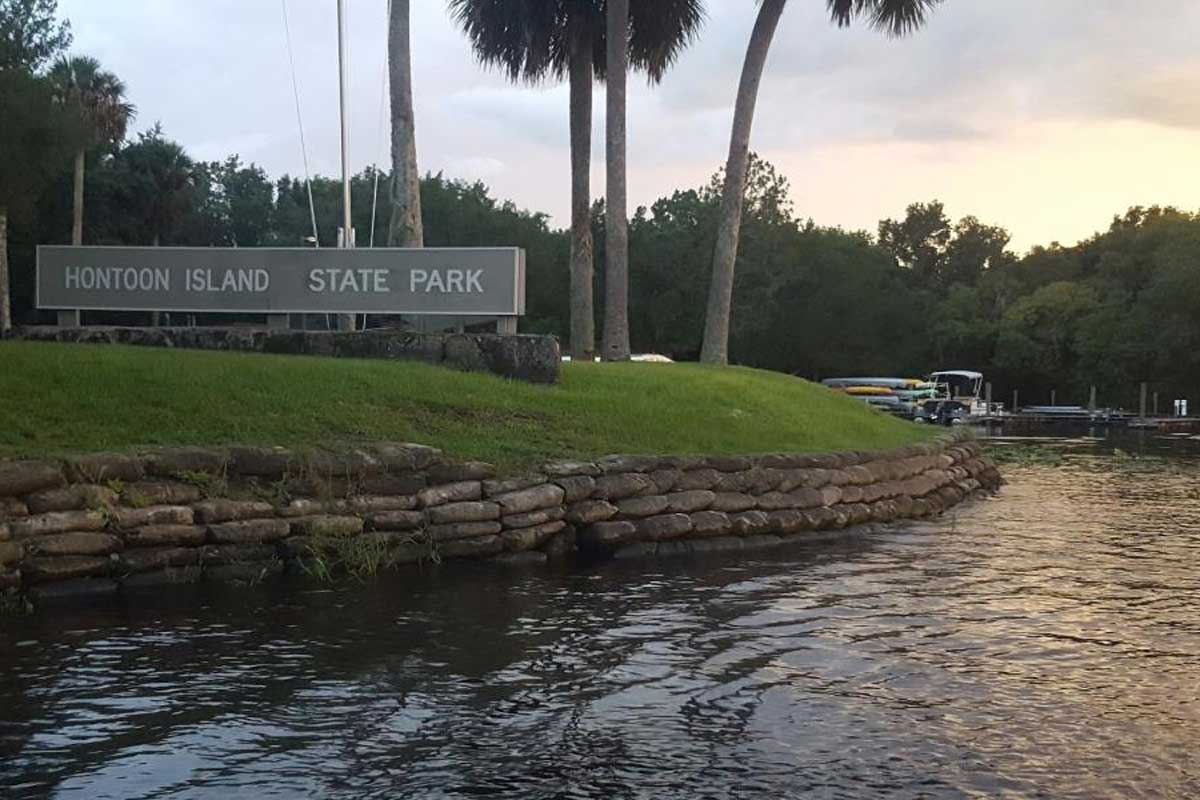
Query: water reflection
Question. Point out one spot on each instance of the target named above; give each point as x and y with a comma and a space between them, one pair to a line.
1043, 643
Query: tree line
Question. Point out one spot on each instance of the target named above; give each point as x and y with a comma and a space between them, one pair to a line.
919, 293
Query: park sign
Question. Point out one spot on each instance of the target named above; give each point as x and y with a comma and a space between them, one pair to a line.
277, 280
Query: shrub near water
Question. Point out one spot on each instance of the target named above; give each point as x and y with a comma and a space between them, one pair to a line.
68, 398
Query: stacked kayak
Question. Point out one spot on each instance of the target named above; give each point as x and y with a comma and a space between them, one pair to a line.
900, 396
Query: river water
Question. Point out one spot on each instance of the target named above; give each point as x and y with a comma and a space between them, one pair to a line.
1043, 643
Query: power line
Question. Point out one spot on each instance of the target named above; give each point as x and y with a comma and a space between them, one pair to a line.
312, 211
383, 84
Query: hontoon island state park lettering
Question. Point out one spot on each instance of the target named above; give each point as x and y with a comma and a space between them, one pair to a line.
256, 280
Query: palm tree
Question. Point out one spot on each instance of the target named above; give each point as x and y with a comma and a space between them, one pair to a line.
405, 228
531, 40
654, 32
894, 17
615, 342
162, 178
165, 178
98, 98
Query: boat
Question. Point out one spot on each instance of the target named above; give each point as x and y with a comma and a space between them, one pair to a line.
963, 386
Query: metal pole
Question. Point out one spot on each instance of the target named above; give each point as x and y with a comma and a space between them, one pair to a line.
1156, 404
342, 114
1014, 405
345, 321
1092, 400
1142, 403
1054, 397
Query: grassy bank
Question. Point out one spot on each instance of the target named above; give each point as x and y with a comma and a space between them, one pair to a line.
58, 398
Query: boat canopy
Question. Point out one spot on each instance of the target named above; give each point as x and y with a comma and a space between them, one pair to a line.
958, 373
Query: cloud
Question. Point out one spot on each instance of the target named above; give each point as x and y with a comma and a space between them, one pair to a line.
475, 167
1168, 96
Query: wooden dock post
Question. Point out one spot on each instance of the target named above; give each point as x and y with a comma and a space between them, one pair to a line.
1054, 397
1142, 402
1014, 405
1155, 404
1092, 400
987, 394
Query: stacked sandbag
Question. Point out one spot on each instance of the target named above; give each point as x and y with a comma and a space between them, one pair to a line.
644, 504
118, 522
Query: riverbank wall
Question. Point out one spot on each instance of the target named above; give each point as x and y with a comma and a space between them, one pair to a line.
102, 524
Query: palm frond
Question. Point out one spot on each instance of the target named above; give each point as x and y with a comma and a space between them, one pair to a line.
521, 38
659, 31
893, 17
531, 40
97, 96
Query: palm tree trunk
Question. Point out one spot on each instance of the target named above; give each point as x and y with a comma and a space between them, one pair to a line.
77, 222
616, 223
5, 305
583, 322
720, 292
404, 228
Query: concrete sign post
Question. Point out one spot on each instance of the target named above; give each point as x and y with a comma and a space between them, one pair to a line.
483, 282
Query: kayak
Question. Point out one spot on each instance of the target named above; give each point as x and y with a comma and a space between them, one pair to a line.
889, 383
916, 394
867, 390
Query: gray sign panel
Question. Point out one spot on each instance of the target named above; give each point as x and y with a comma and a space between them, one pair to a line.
455, 281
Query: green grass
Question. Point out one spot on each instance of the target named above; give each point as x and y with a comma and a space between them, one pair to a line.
57, 399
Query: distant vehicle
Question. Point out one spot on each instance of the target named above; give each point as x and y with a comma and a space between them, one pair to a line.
942, 412
650, 358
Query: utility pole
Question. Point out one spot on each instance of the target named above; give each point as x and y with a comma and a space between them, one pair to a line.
345, 322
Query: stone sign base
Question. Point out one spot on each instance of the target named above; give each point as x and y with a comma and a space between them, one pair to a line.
116, 523
524, 357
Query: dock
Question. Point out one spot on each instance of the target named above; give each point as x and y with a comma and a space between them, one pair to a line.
1075, 416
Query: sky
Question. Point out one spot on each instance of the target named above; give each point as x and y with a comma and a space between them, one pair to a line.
1044, 116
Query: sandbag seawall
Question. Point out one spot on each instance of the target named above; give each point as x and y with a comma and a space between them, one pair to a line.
107, 523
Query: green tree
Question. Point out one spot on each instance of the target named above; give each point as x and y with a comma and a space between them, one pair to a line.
232, 205
30, 35
1040, 335
920, 241
34, 137
896, 17
97, 98
975, 249
160, 180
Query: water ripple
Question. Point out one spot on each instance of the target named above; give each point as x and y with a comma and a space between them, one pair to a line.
1045, 643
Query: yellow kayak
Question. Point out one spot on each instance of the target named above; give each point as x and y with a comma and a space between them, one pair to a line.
872, 391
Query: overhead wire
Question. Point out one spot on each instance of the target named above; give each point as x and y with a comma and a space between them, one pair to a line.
383, 85
312, 210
